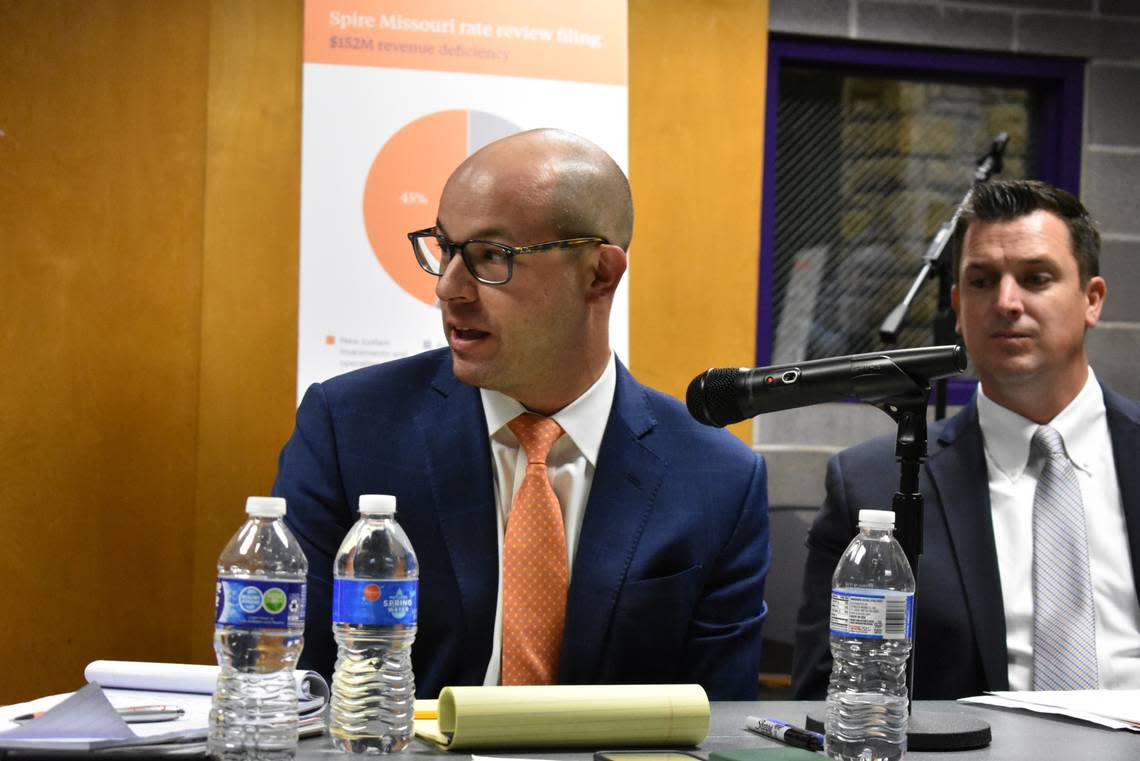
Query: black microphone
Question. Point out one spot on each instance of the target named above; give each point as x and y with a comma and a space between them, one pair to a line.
721, 396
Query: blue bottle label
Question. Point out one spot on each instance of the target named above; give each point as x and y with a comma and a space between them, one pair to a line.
872, 613
260, 604
382, 602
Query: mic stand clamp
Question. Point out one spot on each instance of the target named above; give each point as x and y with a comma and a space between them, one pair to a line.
926, 730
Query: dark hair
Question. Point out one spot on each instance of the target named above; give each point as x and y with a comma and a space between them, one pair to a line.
1005, 200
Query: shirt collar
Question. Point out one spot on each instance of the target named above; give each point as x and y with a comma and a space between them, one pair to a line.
584, 419
1007, 435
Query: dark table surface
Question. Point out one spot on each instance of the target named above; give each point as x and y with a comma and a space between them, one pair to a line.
1017, 735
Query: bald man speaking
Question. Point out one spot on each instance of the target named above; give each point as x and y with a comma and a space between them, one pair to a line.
572, 525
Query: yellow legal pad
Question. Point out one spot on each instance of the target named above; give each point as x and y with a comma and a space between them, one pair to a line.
566, 716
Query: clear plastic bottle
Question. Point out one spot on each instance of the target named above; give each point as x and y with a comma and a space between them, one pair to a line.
872, 621
375, 595
259, 631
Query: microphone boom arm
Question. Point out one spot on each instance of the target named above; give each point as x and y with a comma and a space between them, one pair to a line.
934, 260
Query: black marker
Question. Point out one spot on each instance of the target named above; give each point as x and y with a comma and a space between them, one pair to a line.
785, 733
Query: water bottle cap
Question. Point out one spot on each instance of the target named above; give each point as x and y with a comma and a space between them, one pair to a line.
265, 507
876, 519
384, 504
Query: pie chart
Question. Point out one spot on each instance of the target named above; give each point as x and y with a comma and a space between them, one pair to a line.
404, 183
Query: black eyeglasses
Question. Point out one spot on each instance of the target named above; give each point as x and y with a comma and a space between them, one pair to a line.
488, 262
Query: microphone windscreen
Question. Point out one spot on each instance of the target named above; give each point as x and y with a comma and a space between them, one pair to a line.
711, 397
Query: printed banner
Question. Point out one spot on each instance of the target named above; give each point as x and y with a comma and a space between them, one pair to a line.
396, 94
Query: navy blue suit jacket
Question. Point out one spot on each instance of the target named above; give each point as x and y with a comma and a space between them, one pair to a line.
668, 577
960, 636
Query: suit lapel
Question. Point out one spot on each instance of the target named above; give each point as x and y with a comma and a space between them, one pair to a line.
1124, 428
957, 469
459, 466
621, 498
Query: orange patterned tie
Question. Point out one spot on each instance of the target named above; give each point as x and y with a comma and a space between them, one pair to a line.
535, 576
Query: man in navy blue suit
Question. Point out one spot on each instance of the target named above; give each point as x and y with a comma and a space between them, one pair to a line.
1027, 288
665, 520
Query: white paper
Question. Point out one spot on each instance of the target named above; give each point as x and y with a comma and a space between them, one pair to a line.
183, 677
1115, 709
84, 716
192, 725
87, 720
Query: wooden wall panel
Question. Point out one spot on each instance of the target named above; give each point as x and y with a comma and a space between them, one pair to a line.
149, 166
250, 271
102, 116
696, 139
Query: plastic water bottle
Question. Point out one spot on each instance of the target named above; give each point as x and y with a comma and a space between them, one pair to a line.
375, 595
258, 635
872, 621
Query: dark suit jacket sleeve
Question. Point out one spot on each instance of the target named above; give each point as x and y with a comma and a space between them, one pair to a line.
831, 532
723, 648
308, 477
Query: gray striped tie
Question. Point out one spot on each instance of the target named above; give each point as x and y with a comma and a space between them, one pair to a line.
1064, 621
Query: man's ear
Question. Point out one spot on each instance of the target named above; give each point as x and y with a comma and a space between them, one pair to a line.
1095, 292
608, 268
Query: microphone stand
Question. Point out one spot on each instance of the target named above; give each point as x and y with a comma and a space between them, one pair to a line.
926, 730
936, 263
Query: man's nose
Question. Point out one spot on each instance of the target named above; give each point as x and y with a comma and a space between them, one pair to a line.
1009, 295
455, 282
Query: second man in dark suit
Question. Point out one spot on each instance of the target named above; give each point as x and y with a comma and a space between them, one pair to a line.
1007, 599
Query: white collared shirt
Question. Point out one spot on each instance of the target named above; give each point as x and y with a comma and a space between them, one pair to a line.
570, 464
1083, 426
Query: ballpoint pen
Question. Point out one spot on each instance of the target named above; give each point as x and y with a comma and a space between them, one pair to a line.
785, 733
131, 714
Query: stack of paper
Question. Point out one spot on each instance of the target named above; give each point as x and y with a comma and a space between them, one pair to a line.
1115, 709
88, 720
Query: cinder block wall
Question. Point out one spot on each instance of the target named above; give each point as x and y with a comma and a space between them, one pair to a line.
1105, 33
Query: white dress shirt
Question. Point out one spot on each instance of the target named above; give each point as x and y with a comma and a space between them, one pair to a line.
570, 464
1083, 427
